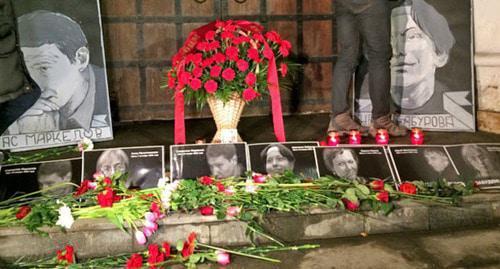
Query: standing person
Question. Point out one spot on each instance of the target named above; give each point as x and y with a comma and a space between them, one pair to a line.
365, 21
18, 91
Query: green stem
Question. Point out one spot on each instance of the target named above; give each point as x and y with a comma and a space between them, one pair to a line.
240, 253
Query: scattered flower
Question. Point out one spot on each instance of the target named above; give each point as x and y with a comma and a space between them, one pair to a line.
206, 210
223, 258
134, 262
259, 178
23, 211
408, 188
206, 180
233, 211
351, 206
383, 196
85, 145
140, 237
377, 185
65, 218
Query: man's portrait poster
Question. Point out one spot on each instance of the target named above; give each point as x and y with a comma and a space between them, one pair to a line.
216, 160
63, 51
144, 166
431, 67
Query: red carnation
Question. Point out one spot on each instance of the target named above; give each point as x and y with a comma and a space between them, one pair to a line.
228, 74
219, 57
23, 211
202, 46
249, 94
189, 245
206, 210
210, 35
69, 254
258, 36
195, 84
211, 86
135, 262
250, 79
215, 71
197, 72
383, 196
155, 255
206, 180
253, 54
377, 185
273, 36
107, 181
106, 198
214, 45
351, 206
227, 34
166, 248
242, 65
268, 53
283, 69
184, 77
285, 47
83, 188
220, 186
408, 188
232, 53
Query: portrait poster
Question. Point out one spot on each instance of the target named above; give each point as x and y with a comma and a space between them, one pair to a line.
432, 78
63, 49
217, 160
276, 158
354, 162
19, 179
478, 162
144, 166
424, 163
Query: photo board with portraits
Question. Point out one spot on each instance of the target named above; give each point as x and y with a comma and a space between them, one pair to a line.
19, 179
217, 160
63, 49
143, 165
432, 78
478, 162
276, 158
354, 162
427, 163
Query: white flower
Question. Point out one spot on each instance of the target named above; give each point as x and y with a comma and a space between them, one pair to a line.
85, 144
65, 218
167, 193
163, 181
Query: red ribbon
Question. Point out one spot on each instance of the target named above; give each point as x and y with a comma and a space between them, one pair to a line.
272, 81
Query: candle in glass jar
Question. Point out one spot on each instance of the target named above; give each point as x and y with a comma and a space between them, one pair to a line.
333, 139
417, 136
354, 137
382, 137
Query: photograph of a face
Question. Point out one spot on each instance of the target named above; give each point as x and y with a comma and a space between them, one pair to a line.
478, 162
359, 163
143, 165
276, 158
217, 160
19, 179
426, 163
63, 52
431, 66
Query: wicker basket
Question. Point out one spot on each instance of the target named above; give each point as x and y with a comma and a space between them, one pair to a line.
226, 115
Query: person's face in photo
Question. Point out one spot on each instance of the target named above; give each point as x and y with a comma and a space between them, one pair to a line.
112, 165
438, 161
480, 160
221, 167
48, 180
345, 165
276, 163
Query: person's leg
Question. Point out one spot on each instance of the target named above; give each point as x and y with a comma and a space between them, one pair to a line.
375, 31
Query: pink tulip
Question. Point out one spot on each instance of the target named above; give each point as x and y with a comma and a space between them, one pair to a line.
229, 190
223, 258
148, 231
150, 216
140, 237
151, 225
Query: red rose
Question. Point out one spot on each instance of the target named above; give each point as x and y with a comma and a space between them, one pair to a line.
135, 262
206, 210
250, 79
106, 198
220, 186
195, 84
268, 53
242, 65
232, 53
69, 254
351, 206
206, 180
166, 248
211, 86
249, 94
228, 74
23, 211
254, 55
215, 71
377, 185
383, 196
283, 69
408, 188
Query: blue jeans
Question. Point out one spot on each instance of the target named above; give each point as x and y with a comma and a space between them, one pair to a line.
371, 27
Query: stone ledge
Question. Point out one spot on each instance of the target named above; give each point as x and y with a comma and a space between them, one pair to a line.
98, 237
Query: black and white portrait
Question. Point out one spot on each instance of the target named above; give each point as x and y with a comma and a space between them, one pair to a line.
425, 163
276, 158
217, 160
431, 70
356, 163
143, 166
63, 52
479, 162
19, 179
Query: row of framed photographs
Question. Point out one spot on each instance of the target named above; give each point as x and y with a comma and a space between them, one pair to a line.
145, 165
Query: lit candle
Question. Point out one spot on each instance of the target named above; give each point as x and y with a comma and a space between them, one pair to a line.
382, 137
417, 136
354, 137
333, 139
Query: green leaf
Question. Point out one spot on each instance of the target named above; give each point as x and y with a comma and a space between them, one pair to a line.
179, 245
365, 190
350, 194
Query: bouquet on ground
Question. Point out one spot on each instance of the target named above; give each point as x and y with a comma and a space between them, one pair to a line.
227, 57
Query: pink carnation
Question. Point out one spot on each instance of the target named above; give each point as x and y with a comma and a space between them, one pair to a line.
250, 79
211, 86
249, 94
242, 65
228, 74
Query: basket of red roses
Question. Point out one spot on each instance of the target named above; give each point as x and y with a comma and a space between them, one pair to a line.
227, 64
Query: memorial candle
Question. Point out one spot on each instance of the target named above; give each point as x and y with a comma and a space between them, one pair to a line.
417, 136
382, 137
354, 137
333, 139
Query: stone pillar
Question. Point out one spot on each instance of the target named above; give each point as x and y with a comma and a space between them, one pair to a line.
487, 62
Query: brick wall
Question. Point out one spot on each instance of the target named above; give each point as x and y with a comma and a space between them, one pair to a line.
142, 35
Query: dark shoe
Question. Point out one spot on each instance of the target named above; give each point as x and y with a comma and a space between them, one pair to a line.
385, 122
343, 123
